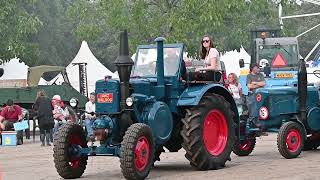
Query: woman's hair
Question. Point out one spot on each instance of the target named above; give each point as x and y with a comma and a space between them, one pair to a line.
41, 93
235, 77
203, 50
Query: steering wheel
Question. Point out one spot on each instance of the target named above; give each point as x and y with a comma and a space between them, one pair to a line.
316, 73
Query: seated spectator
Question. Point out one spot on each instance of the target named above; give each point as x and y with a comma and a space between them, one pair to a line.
9, 115
236, 91
90, 115
59, 114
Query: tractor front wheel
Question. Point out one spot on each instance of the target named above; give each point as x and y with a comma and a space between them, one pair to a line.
208, 133
290, 139
68, 162
137, 152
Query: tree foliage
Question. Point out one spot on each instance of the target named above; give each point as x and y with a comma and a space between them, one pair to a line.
50, 32
186, 21
17, 23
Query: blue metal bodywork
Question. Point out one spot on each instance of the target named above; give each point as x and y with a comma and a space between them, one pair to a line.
272, 81
283, 105
112, 88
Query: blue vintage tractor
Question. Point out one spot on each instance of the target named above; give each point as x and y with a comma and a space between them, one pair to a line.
285, 105
159, 105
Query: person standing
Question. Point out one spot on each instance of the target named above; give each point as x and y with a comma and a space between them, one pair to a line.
236, 90
45, 117
90, 115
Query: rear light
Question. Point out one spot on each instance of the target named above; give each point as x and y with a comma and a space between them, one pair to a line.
258, 97
263, 113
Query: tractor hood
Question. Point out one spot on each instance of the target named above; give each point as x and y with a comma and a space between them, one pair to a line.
281, 100
142, 85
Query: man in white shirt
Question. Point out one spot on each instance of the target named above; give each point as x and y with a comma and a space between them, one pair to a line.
90, 115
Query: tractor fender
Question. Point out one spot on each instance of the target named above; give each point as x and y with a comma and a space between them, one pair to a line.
158, 116
298, 120
191, 96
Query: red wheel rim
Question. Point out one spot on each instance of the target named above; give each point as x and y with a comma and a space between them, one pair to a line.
215, 132
74, 140
246, 145
293, 140
142, 153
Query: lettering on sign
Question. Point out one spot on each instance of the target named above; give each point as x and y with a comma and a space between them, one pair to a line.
105, 98
284, 75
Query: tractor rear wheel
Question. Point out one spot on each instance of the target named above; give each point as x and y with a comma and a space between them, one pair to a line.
68, 162
208, 133
137, 152
174, 143
290, 139
245, 147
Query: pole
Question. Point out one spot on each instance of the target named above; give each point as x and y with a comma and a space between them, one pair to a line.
314, 48
308, 30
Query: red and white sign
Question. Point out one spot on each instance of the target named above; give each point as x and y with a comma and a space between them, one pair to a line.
105, 98
279, 61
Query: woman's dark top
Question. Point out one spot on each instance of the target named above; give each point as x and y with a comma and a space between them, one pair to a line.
44, 108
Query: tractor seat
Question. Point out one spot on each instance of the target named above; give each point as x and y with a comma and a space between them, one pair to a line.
207, 75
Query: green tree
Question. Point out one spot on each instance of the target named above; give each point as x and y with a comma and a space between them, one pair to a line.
17, 24
186, 21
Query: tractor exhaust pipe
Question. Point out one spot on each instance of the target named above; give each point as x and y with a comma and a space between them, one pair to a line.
124, 65
302, 91
160, 67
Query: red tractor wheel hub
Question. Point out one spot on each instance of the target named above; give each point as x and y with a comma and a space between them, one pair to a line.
293, 140
142, 153
215, 132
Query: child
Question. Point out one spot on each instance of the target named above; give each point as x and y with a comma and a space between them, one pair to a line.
59, 114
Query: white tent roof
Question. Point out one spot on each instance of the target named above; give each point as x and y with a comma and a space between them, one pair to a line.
14, 69
95, 70
231, 60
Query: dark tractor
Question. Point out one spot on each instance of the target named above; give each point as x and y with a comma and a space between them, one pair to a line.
286, 105
159, 105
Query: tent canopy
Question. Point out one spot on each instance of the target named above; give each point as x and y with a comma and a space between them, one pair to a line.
95, 70
35, 73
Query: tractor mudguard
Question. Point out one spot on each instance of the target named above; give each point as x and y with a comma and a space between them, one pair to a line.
192, 95
298, 120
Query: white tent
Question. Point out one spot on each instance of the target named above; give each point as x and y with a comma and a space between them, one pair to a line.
14, 69
231, 60
95, 70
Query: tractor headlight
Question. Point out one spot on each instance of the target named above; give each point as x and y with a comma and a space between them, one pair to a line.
73, 102
129, 101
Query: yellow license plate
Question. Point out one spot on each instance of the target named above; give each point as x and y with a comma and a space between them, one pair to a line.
284, 75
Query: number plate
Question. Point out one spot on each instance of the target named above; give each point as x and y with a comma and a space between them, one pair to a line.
284, 75
105, 98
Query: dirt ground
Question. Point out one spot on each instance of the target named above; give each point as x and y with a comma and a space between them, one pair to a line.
30, 161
